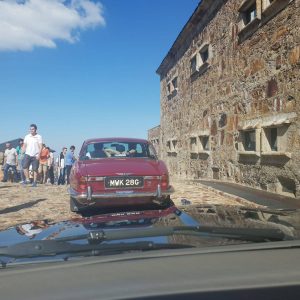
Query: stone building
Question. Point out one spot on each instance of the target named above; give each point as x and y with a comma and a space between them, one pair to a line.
230, 88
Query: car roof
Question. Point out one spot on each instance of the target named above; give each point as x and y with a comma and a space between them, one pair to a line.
115, 139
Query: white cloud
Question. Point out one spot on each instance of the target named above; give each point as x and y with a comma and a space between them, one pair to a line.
25, 24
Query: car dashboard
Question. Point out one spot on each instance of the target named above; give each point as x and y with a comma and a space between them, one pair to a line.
247, 271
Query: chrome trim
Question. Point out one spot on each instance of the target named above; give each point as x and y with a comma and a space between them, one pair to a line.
92, 196
94, 178
151, 177
124, 174
159, 191
89, 193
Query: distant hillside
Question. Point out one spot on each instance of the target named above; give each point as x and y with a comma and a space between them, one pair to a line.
14, 144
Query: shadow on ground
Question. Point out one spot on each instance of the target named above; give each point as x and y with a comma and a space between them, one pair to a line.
5, 186
21, 206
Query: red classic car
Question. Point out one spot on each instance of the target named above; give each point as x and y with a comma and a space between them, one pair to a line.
116, 172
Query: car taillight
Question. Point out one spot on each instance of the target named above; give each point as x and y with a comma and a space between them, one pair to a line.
95, 178
82, 184
164, 181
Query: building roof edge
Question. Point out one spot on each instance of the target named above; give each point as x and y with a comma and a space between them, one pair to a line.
188, 27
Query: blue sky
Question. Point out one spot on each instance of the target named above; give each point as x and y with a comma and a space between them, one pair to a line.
96, 80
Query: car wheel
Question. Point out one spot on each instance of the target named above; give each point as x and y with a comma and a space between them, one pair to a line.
74, 205
164, 202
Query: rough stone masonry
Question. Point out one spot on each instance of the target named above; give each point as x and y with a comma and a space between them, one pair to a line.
230, 88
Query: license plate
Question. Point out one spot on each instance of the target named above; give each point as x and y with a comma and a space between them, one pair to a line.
124, 182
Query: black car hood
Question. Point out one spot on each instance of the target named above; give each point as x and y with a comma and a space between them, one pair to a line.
191, 215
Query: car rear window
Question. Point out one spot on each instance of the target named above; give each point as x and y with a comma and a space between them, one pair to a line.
117, 149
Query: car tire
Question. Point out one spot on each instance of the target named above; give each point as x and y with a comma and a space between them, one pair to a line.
165, 202
75, 206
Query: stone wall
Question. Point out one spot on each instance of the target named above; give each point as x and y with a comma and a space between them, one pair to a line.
250, 83
154, 138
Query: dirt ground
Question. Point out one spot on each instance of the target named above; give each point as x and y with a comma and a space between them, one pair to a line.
20, 204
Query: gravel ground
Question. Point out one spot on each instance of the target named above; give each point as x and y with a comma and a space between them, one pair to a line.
20, 204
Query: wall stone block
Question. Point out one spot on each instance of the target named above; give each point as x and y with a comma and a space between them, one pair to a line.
272, 88
295, 55
257, 65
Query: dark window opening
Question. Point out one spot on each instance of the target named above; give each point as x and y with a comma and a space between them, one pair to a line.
169, 88
174, 82
193, 144
205, 142
169, 145
250, 140
174, 142
204, 55
194, 64
273, 139
250, 14
193, 140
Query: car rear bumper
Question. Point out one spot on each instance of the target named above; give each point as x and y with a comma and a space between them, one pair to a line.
89, 196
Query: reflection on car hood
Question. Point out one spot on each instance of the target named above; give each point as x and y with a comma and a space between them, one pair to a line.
193, 215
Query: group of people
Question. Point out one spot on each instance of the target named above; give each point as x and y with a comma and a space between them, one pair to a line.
34, 161
65, 162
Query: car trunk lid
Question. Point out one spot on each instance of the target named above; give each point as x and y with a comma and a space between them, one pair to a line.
99, 172
121, 167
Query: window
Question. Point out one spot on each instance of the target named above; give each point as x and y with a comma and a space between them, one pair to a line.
172, 87
250, 14
169, 88
249, 140
271, 8
199, 146
254, 14
174, 83
199, 62
168, 146
194, 64
275, 140
152, 152
193, 145
248, 11
267, 3
155, 141
271, 135
172, 148
204, 141
117, 149
174, 144
204, 54
276, 135
249, 143
249, 19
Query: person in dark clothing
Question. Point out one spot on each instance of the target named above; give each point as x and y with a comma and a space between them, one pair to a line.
50, 174
61, 166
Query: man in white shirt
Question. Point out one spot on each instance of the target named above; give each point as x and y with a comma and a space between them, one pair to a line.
32, 148
10, 161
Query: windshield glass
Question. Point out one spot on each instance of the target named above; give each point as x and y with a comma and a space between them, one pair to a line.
117, 149
132, 126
